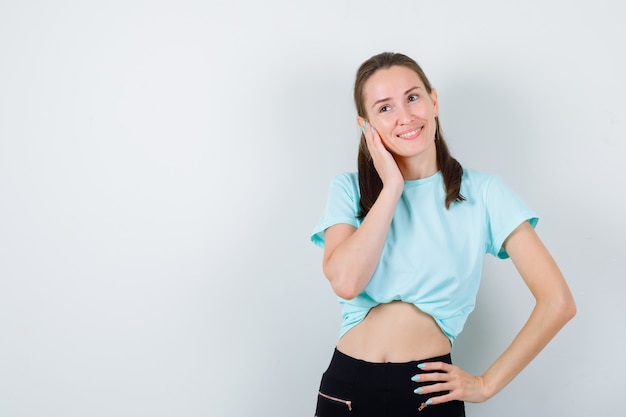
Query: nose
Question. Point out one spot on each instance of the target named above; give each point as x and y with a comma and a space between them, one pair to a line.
404, 114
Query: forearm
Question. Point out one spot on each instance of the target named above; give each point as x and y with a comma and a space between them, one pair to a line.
351, 264
546, 319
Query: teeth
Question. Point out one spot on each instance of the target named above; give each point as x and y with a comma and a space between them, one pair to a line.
411, 133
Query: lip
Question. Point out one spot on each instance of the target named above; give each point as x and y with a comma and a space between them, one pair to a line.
411, 134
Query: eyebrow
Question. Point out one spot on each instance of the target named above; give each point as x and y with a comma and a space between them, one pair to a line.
417, 87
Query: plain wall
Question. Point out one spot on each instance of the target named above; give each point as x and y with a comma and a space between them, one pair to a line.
162, 164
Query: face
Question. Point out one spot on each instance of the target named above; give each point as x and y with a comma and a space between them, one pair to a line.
403, 113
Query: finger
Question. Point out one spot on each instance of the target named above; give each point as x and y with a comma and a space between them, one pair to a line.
367, 133
370, 137
435, 372
376, 137
377, 142
433, 377
435, 366
374, 143
440, 399
433, 389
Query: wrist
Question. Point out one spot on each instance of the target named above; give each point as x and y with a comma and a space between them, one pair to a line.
393, 190
487, 389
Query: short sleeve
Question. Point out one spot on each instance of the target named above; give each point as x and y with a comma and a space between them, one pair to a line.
342, 206
505, 212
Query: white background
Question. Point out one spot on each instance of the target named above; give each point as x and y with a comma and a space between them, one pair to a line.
163, 163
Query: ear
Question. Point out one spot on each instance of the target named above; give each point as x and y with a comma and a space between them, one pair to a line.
433, 97
360, 121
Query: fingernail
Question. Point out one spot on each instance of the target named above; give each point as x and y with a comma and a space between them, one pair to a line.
419, 391
415, 378
364, 124
421, 365
372, 129
429, 402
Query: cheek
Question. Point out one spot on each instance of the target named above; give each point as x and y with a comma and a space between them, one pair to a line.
383, 125
385, 139
386, 136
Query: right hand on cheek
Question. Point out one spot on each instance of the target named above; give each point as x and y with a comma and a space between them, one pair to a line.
384, 162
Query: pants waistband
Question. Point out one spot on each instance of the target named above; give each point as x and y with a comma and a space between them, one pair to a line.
389, 375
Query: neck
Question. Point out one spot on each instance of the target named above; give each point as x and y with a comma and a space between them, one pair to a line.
418, 167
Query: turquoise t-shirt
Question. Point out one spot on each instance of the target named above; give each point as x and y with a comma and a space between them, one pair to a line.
432, 256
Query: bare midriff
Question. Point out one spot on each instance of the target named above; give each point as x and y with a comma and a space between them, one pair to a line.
395, 332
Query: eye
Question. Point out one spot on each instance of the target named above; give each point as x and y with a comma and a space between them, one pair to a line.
385, 108
413, 97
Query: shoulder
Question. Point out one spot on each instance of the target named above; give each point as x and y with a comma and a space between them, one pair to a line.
477, 181
348, 178
347, 182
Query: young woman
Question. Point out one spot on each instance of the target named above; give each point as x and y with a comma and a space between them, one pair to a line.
404, 241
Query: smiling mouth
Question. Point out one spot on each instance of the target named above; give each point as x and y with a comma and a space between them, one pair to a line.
411, 134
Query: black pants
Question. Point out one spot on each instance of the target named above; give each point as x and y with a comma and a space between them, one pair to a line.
356, 388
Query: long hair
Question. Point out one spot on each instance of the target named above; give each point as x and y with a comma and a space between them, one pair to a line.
370, 183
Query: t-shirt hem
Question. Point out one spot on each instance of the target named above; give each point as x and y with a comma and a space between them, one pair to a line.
318, 234
530, 217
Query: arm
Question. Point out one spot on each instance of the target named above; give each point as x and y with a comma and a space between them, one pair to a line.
351, 255
553, 308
